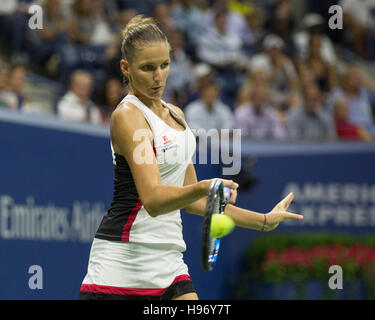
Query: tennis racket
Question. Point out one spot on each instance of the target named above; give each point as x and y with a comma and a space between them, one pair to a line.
218, 196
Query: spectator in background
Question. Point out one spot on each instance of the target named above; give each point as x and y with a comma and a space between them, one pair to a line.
281, 21
13, 29
223, 51
180, 76
344, 129
209, 112
113, 51
257, 78
254, 30
235, 22
218, 47
162, 14
360, 95
76, 105
313, 23
13, 93
323, 72
110, 96
310, 122
359, 26
4, 74
257, 119
189, 18
46, 42
203, 75
88, 25
123, 17
279, 68
7, 10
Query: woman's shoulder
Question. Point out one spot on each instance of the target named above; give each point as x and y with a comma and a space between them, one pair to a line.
177, 109
129, 115
126, 109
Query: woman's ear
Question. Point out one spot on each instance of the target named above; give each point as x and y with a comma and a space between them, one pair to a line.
124, 66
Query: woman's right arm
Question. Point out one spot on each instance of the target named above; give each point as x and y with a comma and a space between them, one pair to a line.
130, 137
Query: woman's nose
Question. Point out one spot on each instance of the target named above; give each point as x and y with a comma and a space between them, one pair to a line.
157, 75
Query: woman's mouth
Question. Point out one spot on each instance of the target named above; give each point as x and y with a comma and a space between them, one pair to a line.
156, 89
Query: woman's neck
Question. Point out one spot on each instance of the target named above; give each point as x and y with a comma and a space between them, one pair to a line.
154, 104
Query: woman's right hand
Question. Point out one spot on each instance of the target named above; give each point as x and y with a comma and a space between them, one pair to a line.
227, 183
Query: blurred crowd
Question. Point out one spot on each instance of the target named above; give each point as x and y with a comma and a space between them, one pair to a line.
234, 64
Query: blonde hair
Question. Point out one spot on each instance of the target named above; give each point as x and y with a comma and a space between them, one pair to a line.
139, 31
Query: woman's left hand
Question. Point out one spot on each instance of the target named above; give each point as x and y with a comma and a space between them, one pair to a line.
279, 213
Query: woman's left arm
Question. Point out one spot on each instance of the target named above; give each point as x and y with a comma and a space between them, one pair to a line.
242, 217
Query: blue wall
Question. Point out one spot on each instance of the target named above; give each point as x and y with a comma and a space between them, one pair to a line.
56, 183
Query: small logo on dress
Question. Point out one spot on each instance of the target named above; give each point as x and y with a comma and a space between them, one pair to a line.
166, 140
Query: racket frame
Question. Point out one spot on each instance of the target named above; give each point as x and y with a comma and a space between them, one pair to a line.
216, 201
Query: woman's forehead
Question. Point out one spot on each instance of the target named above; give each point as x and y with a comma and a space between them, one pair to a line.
152, 52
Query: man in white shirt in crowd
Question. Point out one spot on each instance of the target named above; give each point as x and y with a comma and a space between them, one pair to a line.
257, 119
76, 105
209, 112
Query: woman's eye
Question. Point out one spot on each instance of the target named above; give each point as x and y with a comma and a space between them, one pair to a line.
147, 68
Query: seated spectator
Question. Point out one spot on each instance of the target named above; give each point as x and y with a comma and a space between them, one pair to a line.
279, 71
218, 47
235, 22
46, 42
76, 105
323, 73
254, 79
275, 63
310, 122
4, 75
257, 119
223, 51
313, 23
12, 95
344, 129
254, 30
180, 77
162, 14
359, 26
188, 18
89, 35
360, 95
113, 50
88, 25
110, 96
281, 20
123, 17
14, 17
203, 75
209, 112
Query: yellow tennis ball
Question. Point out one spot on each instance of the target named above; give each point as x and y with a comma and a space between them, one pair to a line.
221, 225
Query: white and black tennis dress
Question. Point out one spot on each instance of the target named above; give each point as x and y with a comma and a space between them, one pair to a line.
134, 255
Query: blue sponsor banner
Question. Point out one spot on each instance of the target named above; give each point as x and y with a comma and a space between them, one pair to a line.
56, 182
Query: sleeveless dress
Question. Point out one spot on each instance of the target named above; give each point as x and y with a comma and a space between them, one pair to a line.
134, 255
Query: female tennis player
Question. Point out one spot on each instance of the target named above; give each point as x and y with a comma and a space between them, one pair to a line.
137, 250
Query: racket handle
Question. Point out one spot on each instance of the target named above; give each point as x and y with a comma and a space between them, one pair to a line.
226, 191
